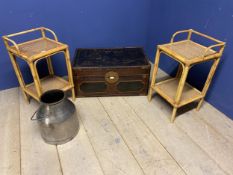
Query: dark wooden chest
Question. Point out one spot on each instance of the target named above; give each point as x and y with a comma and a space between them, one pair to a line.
111, 72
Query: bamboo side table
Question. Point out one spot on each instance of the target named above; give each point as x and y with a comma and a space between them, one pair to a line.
187, 53
33, 51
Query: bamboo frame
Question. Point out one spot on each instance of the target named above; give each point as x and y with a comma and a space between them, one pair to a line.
50, 66
42, 29
155, 71
179, 95
190, 32
14, 50
69, 70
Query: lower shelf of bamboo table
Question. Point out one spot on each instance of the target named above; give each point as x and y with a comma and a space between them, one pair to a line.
168, 88
48, 83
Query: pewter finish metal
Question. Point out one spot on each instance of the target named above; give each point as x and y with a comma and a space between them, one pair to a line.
57, 118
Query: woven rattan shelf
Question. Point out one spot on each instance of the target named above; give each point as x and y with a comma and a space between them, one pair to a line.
33, 51
38, 48
188, 53
168, 88
48, 83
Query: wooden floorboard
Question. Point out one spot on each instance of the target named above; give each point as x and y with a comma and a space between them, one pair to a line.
210, 115
216, 119
118, 135
210, 129
9, 132
78, 157
216, 146
152, 156
111, 150
184, 150
37, 157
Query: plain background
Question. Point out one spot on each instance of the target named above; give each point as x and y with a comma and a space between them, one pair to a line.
119, 23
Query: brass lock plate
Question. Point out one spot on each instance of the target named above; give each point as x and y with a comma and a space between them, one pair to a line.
111, 77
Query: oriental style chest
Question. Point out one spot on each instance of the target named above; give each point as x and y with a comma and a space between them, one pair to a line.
110, 72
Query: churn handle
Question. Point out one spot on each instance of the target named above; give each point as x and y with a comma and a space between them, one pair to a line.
32, 118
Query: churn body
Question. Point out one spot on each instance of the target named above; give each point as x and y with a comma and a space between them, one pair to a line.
57, 118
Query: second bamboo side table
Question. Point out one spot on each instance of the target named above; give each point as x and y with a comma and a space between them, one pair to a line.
33, 51
188, 53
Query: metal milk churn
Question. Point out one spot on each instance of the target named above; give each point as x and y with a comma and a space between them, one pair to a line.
56, 117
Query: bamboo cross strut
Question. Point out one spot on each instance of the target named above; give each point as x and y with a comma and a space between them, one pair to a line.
187, 53
32, 52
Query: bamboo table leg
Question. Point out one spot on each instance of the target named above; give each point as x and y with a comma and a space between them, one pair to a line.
19, 75
173, 114
69, 70
179, 91
35, 78
50, 66
208, 81
155, 71
179, 71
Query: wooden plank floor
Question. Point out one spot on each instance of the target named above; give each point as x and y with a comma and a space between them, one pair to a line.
118, 135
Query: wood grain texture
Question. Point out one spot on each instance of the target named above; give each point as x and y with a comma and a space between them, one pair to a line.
150, 154
78, 157
9, 132
217, 120
119, 135
216, 146
110, 148
188, 154
37, 157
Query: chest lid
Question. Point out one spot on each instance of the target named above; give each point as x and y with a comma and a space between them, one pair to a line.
117, 57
